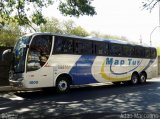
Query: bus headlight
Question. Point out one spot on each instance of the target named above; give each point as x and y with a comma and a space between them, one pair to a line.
20, 79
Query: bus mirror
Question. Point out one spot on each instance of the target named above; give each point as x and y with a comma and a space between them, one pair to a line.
7, 56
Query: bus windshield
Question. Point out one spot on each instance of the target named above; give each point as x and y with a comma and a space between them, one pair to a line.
20, 54
39, 52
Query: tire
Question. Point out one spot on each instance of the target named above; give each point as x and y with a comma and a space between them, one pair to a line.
142, 78
62, 85
134, 79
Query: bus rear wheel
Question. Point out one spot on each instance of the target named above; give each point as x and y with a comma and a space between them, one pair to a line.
142, 78
62, 85
134, 79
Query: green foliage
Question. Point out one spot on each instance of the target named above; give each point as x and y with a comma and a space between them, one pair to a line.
69, 27
9, 34
79, 31
16, 11
65, 27
76, 7
51, 25
106, 36
26, 12
158, 51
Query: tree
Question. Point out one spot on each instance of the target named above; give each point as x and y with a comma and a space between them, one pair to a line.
79, 31
76, 7
22, 12
66, 27
106, 36
9, 34
150, 4
51, 25
158, 51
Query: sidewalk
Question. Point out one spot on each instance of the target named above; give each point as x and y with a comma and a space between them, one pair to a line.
6, 88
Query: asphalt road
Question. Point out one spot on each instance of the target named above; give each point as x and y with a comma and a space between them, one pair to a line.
93, 102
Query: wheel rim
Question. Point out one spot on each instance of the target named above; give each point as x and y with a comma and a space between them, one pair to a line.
134, 79
62, 85
143, 78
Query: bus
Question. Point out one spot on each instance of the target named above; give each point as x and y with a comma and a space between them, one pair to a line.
43, 60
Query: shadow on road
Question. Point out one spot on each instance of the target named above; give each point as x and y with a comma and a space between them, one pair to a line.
97, 101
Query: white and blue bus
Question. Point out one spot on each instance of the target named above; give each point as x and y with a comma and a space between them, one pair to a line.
44, 60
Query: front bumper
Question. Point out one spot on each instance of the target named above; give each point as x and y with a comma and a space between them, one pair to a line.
17, 83
16, 80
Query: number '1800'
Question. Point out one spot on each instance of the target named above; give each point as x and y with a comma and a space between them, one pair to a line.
33, 82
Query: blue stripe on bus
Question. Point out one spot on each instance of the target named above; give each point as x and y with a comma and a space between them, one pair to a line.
81, 72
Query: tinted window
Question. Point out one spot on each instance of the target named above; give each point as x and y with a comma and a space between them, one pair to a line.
153, 53
100, 48
42, 43
115, 50
139, 52
63, 45
128, 51
83, 47
39, 52
147, 53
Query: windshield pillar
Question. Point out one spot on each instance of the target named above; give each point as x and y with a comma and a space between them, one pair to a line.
19, 53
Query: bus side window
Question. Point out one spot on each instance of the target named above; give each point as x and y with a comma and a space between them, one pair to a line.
115, 50
67, 46
78, 47
63, 45
139, 52
153, 53
128, 51
147, 53
58, 45
83, 47
100, 48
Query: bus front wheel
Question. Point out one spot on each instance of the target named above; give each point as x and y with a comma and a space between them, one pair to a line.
62, 85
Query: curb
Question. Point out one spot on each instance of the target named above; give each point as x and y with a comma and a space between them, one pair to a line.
6, 88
